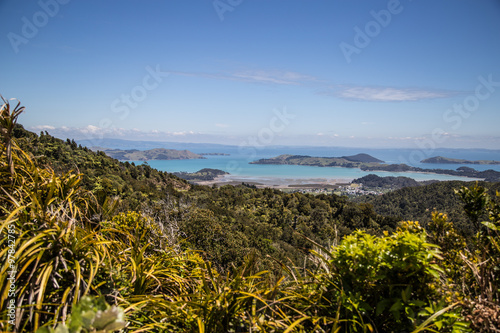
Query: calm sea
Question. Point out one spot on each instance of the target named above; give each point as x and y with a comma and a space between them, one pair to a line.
237, 163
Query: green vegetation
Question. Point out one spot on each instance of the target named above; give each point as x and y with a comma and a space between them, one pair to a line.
488, 175
201, 175
354, 161
447, 160
177, 257
151, 154
389, 182
418, 203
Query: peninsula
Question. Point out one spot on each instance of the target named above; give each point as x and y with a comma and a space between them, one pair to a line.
152, 154
447, 160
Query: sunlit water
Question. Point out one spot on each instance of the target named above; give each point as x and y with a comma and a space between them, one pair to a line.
237, 164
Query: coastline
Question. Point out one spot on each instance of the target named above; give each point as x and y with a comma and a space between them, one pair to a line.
472, 179
276, 182
297, 183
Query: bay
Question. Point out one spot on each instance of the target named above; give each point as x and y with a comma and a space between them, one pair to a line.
237, 164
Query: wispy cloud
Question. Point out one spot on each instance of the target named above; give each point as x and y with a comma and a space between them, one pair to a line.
95, 135
91, 131
386, 94
257, 76
42, 128
350, 92
274, 76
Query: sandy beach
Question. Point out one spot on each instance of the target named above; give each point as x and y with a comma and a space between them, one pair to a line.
276, 182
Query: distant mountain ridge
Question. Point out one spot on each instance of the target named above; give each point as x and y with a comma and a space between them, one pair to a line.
145, 145
151, 154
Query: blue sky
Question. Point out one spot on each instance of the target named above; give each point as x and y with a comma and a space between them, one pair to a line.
340, 73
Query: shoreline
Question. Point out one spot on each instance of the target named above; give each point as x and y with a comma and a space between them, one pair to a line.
293, 183
277, 182
472, 179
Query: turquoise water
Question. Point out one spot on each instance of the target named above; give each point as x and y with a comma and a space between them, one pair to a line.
239, 166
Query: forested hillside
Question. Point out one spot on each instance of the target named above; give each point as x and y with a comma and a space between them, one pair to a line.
92, 244
239, 218
418, 203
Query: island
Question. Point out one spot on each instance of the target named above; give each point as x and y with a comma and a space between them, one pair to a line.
152, 154
214, 154
354, 161
366, 162
205, 174
447, 160
487, 175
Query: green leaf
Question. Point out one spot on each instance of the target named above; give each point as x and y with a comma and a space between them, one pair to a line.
45, 329
396, 306
490, 226
418, 303
381, 306
405, 294
61, 328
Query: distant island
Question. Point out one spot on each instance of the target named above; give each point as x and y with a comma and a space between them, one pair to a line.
354, 161
152, 154
487, 175
447, 160
214, 154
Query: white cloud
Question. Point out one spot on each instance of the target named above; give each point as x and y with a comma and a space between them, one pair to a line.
42, 128
386, 94
90, 129
274, 76
183, 133
95, 135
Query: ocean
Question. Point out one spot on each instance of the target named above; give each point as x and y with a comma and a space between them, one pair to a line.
237, 163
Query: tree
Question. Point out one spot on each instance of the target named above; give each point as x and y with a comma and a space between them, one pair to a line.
8, 120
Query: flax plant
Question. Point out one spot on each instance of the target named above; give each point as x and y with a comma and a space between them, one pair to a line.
56, 254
